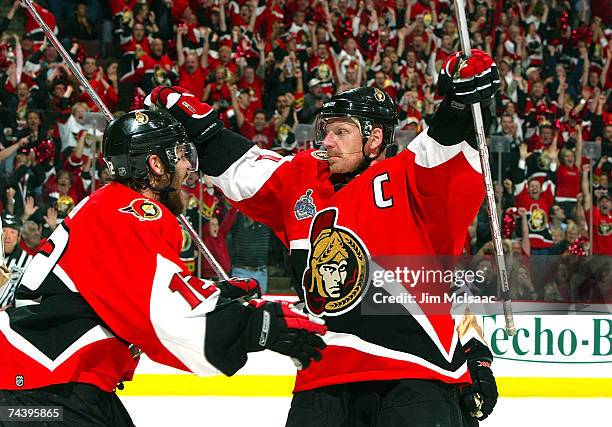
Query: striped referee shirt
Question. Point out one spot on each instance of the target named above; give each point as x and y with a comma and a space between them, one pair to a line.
17, 261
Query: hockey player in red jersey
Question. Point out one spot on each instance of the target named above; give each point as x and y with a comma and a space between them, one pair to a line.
338, 207
66, 342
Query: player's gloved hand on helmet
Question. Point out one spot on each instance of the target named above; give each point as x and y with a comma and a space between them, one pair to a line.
239, 287
280, 327
468, 80
480, 397
200, 120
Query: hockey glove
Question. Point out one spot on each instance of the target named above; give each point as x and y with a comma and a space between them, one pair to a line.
200, 120
239, 287
480, 397
280, 327
468, 80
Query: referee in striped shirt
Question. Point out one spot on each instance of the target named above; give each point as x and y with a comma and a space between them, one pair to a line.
16, 259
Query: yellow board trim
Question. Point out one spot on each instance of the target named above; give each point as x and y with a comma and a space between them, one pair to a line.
281, 385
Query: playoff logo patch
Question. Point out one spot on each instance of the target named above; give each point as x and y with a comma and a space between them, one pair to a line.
143, 209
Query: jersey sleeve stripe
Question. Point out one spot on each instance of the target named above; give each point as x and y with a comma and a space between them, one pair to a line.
429, 153
248, 174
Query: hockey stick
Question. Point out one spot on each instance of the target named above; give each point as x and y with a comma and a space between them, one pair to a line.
109, 116
486, 173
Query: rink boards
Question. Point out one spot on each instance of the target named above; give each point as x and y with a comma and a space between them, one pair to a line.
550, 356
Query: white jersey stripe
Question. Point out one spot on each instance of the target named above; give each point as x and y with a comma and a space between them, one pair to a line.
352, 341
430, 153
247, 175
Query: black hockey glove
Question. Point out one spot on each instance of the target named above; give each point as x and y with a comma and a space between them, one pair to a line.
468, 80
200, 120
239, 287
480, 397
280, 327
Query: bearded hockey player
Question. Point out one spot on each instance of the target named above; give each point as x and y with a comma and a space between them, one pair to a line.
67, 340
338, 207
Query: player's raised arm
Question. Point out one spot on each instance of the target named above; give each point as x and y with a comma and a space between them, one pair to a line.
446, 176
229, 158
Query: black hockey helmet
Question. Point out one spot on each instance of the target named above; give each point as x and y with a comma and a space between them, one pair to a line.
130, 139
369, 106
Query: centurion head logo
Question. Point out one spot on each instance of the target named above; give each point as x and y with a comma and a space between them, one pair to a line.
337, 272
143, 209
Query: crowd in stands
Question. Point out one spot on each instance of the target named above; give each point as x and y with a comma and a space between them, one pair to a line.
267, 66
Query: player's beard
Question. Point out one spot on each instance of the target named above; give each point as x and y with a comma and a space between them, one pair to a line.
175, 201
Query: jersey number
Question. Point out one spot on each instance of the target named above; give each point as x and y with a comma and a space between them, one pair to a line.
193, 290
190, 289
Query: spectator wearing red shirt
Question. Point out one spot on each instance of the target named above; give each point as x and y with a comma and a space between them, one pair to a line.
223, 57
537, 198
132, 38
323, 67
218, 90
568, 177
602, 230
120, 6
151, 69
98, 82
252, 84
192, 72
33, 30
31, 238
215, 239
602, 216
241, 104
260, 131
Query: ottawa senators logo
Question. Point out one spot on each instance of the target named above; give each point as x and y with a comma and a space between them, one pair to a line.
143, 209
337, 273
141, 118
604, 229
379, 95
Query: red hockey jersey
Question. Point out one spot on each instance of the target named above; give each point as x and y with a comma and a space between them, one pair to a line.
420, 202
537, 213
76, 309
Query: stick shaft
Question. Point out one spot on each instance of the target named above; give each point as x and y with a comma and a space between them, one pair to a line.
486, 173
109, 116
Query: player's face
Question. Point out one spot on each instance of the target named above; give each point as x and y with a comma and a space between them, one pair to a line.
343, 144
177, 202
